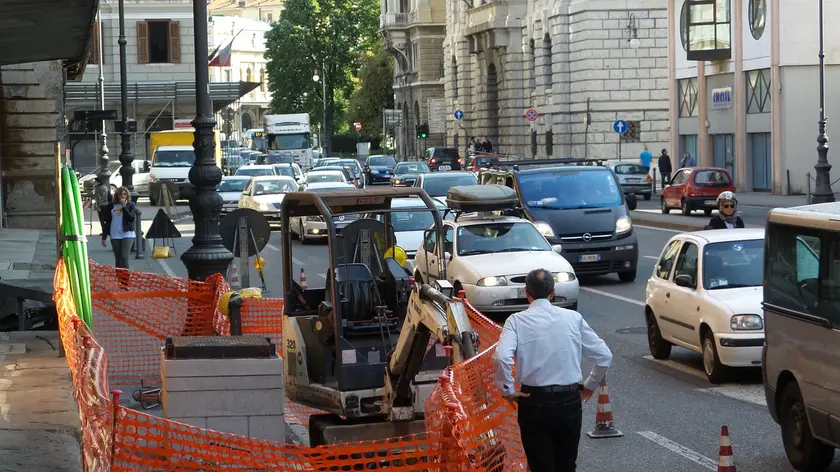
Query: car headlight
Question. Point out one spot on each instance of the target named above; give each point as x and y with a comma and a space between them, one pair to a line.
265, 206
492, 282
746, 322
563, 277
397, 181
545, 229
623, 225
314, 218
374, 171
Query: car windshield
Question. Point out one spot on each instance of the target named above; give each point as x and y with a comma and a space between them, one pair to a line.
279, 158
254, 171
441, 183
285, 170
282, 142
631, 169
711, 178
486, 161
733, 264
233, 185
327, 161
331, 188
387, 161
269, 187
500, 237
169, 158
352, 167
566, 189
411, 168
316, 177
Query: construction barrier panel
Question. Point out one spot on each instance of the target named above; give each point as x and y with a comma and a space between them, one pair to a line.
469, 426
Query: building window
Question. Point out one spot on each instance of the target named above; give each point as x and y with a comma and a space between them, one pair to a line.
532, 58
248, 76
632, 134
415, 56
263, 83
228, 75
684, 25
158, 42
758, 15
709, 31
247, 123
688, 97
758, 91
269, 17
547, 60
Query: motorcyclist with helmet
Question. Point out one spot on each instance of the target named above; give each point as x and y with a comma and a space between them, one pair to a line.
726, 217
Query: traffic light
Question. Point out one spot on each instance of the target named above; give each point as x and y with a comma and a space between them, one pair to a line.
422, 131
417, 131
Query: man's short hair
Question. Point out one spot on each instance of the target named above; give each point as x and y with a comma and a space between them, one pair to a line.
539, 283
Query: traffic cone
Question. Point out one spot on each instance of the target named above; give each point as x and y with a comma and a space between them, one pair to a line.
604, 427
303, 284
235, 283
726, 463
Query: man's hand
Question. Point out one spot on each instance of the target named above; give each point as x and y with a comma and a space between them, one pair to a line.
104, 244
515, 396
585, 394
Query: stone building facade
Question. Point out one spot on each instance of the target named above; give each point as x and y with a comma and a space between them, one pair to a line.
560, 58
414, 31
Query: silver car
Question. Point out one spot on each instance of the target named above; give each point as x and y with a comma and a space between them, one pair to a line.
634, 178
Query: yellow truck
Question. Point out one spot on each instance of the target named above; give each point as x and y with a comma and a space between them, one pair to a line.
172, 157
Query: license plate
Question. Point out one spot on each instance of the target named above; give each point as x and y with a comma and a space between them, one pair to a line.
710, 202
633, 181
444, 168
520, 292
589, 258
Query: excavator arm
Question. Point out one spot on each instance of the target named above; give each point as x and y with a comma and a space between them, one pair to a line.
429, 312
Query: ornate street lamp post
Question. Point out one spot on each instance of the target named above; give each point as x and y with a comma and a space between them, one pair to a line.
316, 77
822, 191
207, 255
104, 175
126, 158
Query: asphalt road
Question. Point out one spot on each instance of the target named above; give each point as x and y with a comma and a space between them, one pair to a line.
648, 212
670, 414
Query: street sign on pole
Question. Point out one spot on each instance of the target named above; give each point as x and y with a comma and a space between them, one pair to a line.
620, 126
459, 115
358, 126
531, 115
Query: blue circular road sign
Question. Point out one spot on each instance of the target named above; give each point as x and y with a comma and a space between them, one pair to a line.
620, 126
459, 114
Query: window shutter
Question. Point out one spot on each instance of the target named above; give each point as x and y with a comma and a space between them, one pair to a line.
142, 42
175, 42
94, 44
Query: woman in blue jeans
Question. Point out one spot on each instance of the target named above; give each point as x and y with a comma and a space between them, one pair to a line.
119, 226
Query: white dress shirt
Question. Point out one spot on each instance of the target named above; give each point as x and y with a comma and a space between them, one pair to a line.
548, 343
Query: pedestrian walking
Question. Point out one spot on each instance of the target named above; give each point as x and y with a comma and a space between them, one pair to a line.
101, 200
665, 167
119, 226
646, 157
687, 161
548, 343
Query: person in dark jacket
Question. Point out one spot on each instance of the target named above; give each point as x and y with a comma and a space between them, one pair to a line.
726, 217
119, 226
665, 167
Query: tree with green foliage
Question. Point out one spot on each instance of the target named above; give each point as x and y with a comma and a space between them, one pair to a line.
375, 92
327, 37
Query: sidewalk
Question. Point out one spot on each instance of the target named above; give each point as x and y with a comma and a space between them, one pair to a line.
766, 200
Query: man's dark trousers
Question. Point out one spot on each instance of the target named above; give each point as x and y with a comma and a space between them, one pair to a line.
550, 427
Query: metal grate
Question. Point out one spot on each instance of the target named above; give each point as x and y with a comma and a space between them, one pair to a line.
220, 347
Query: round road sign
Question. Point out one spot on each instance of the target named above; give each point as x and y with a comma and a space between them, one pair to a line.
531, 115
459, 114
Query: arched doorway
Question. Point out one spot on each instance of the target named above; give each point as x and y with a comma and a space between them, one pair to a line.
247, 122
492, 105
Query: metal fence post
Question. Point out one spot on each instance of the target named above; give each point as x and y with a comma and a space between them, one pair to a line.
235, 314
139, 247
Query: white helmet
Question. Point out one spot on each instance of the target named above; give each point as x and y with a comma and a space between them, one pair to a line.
727, 197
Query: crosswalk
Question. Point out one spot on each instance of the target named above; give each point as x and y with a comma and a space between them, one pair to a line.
745, 392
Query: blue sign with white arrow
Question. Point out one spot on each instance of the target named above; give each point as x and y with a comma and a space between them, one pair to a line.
459, 114
620, 126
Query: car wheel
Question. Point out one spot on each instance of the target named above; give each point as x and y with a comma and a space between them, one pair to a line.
647, 197
664, 206
686, 209
715, 371
659, 347
707, 212
803, 450
628, 276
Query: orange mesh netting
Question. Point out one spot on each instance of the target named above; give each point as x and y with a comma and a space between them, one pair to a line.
469, 425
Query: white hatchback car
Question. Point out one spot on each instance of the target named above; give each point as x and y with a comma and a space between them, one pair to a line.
489, 256
705, 295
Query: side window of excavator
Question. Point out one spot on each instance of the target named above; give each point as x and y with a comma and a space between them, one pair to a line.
448, 237
429, 242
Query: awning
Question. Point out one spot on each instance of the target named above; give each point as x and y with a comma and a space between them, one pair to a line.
45, 30
221, 93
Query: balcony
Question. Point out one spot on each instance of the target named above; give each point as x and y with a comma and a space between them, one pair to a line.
396, 20
403, 80
488, 24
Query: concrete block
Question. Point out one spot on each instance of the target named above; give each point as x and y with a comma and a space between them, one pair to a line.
251, 382
272, 428
31, 121
19, 77
198, 421
229, 424
222, 367
224, 403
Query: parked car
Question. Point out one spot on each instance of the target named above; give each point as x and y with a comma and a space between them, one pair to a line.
230, 189
405, 173
442, 159
257, 170
719, 272
140, 179
379, 169
436, 184
634, 179
695, 188
265, 194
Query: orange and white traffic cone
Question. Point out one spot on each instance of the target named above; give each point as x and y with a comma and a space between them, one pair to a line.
235, 282
604, 427
726, 463
303, 284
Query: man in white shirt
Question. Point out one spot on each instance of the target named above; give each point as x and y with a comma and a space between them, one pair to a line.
548, 343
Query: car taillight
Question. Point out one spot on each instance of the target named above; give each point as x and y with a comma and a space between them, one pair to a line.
432, 162
648, 179
459, 161
411, 281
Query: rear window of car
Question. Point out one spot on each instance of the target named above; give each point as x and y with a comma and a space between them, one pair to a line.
447, 154
485, 161
631, 169
712, 178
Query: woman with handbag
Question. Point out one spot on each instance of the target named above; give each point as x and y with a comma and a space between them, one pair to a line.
119, 226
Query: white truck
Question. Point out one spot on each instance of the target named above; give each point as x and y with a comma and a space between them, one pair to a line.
289, 134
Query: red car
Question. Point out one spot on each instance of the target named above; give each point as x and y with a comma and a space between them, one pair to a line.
695, 188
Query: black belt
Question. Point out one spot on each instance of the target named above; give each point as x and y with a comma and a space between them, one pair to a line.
551, 389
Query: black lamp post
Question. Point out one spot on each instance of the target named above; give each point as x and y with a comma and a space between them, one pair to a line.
207, 256
822, 190
126, 158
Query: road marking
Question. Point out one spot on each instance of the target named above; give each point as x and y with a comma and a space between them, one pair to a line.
297, 261
272, 247
749, 393
687, 453
678, 366
660, 229
322, 275
612, 295
166, 268
651, 257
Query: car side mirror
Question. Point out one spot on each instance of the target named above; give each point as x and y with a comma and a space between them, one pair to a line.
686, 281
558, 248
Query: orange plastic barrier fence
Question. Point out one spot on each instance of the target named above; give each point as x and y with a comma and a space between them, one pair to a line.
469, 426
